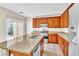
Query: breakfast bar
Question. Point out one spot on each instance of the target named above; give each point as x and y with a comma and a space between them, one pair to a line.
28, 47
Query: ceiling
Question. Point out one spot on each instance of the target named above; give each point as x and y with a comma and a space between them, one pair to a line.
36, 9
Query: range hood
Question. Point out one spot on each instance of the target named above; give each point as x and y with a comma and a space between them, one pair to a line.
43, 25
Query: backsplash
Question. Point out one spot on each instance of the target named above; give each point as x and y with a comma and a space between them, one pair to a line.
53, 29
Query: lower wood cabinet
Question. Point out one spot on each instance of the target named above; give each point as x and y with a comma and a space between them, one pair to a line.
42, 47
63, 44
34, 52
52, 38
65, 48
15, 53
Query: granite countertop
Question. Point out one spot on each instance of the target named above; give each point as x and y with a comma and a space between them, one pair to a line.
62, 34
26, 46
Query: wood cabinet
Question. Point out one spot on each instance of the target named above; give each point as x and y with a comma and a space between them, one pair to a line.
38, 48
50, 22
64, 20
54, 22
63, 44
49, 38
42, 46
15, 53
36, 23
65, 48
52, 38
43, 20
60, 42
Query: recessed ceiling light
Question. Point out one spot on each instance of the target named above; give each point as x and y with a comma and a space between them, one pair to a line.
55, 9
21, 12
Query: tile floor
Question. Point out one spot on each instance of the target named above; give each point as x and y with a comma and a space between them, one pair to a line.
52, 50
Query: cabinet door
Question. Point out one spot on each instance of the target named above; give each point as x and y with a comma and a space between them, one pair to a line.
60, 40
43, 21
49, 38
42, 46
65, 48
64, 20
54, 38
56, 21
50, 22
63, 44
36, 23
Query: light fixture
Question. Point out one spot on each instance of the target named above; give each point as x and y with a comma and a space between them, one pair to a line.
21, 12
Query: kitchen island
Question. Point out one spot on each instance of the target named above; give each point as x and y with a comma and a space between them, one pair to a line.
27, 47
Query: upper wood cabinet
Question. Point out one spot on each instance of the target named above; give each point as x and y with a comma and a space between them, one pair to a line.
64, 20
50, 22
36, 23
54, 22
43, 20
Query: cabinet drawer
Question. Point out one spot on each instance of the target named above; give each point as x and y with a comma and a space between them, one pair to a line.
54, 38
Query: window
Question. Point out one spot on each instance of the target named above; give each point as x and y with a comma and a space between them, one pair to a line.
10, 28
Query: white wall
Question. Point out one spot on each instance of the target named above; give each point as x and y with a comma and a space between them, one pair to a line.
73, 20
29, 28
73, 50
53, 29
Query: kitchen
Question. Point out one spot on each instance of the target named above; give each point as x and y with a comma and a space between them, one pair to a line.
45, 35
